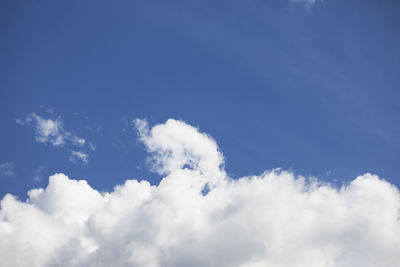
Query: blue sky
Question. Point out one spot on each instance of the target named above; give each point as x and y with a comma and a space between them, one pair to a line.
313, 89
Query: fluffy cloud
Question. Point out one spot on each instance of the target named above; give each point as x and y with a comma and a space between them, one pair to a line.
176, 145
49, 131
275, 219
53, 132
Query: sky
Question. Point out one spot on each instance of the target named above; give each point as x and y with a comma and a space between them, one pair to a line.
301, 96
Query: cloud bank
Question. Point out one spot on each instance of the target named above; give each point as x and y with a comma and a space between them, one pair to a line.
275, 219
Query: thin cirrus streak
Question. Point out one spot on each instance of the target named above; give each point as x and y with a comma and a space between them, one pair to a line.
275, 219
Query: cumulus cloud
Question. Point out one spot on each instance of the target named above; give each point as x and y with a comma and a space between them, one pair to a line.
7, 169
52, 131
176, 145
274, 219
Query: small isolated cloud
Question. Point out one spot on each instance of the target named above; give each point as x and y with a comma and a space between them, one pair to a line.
52, 131
79, 156
307, 3
7, 169
199, 216
92, 147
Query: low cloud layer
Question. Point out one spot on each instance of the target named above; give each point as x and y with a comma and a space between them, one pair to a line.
275, 219
52, 131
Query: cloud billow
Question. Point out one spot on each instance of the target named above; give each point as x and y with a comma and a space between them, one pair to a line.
275, 219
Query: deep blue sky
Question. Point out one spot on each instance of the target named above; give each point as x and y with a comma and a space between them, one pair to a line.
276, 84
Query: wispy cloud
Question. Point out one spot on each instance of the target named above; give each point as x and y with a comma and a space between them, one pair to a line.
38, 174
92, 147
7, 169
79, 156
46, 130
307, 3
52, 131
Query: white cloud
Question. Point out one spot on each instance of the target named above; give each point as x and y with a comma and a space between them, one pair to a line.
79, 156
78, 141
7, 169
53, 132
307, 3
176, 145
50, 131
275, 219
